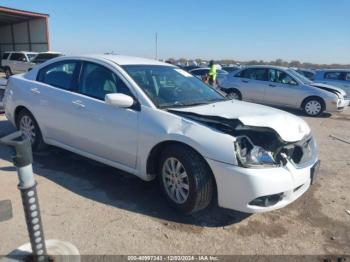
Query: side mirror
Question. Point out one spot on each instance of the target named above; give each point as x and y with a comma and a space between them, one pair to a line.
119, 100
24, 59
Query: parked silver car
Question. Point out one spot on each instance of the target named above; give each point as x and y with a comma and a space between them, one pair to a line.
280, 86
336, 77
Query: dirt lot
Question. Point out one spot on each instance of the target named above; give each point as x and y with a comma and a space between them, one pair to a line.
104, 211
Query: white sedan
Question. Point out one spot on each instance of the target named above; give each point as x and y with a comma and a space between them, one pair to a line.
155, 120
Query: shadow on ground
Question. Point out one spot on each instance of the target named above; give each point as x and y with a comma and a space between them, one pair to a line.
114, 187
300, 113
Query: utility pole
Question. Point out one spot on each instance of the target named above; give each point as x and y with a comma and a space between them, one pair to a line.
156, 46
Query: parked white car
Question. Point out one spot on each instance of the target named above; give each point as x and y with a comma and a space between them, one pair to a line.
335, 77
17, 62
153, 119
284, 87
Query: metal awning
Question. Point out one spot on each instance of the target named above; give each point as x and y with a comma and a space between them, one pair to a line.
11, 16
23, 30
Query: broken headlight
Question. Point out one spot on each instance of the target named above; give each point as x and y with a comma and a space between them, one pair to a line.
250, 155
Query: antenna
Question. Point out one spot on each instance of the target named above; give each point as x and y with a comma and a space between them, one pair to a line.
156, 46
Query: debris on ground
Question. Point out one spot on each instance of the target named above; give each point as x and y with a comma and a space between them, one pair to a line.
340, 139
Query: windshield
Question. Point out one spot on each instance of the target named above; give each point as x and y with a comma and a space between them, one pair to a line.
301, 78
172, 87
31, 56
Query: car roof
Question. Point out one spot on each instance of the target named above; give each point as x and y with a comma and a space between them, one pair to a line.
266, 66
50, 52
204, 68
125, 60
333, 70
22, 52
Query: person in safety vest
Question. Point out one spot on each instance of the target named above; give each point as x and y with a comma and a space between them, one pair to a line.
212, 73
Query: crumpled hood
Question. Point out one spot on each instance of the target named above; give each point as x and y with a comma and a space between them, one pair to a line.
329, 88
289, 127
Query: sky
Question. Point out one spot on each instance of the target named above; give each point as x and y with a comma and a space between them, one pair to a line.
315, 31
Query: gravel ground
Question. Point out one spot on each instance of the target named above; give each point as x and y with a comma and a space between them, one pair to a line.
102, 210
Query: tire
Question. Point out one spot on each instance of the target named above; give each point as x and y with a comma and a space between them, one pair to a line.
313, 106
25, 122
8, 72
192, 185
234, 94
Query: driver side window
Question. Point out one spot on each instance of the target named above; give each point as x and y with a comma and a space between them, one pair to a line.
97, 81
281, 77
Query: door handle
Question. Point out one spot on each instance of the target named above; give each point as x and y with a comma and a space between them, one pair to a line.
245, 81
35, 91
272, 85
78, 103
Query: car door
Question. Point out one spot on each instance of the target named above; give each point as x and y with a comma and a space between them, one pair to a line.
282, 89
18, 62
99, 129
52, 95
252, 83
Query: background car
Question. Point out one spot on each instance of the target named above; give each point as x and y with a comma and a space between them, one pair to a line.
155, 120
284, 87
202, 72
189, 68
45, 56
17, 62
336, 77
230, 69
308, 73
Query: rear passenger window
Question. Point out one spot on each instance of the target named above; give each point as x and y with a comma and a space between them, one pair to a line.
333, 75
59, 74
254, 74
97, 81
5, 55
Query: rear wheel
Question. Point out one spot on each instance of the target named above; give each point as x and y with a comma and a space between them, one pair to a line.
8, 72
185, 179
233, 94
313, 106
30, 129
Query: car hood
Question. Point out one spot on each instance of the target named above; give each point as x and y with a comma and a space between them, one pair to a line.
329, 88
289, 127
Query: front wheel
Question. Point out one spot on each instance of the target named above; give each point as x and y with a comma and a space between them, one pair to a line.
313, 106
233, 94
185, 179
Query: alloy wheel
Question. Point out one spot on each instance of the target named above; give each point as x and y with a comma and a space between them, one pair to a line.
175, 180
26, 125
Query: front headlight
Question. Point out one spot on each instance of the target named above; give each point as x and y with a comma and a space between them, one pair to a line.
250, 155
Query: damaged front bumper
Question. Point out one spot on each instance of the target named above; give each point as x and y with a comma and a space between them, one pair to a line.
343, 104
256, 190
